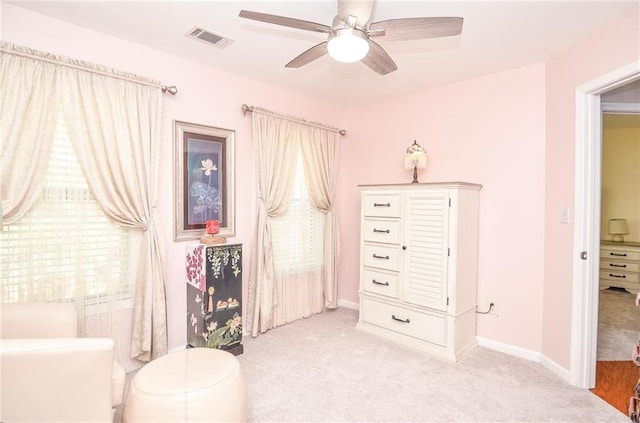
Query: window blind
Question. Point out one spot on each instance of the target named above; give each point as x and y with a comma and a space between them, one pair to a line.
66, 249
297, 236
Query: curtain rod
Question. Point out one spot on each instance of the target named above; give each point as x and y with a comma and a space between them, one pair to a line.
249, 109
84, 66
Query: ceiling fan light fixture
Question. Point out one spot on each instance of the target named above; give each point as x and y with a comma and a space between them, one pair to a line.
348, 45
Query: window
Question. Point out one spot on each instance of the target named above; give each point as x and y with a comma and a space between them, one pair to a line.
297, 236
65, 248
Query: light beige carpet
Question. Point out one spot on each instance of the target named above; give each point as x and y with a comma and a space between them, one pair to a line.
618, 325
322, 369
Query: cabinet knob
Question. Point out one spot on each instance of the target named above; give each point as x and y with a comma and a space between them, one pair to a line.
404, 247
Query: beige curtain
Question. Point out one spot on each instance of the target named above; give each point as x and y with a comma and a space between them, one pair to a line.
275, 143
276, 298
114, 127
29, 99
320, 154
114, 120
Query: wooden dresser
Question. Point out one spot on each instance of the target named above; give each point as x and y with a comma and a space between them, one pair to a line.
620, 265
418, 265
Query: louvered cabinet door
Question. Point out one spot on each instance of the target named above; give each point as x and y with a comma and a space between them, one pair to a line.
425, 248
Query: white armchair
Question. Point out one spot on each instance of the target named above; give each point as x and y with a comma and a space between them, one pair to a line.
49, 374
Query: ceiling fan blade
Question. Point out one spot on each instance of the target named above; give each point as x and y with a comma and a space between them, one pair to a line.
284, 21
378, 59
417, 28
361, 9
308, 56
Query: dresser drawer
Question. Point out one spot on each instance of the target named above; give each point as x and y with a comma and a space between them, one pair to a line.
377, 230
381, 205
380, 256
382, 283
619, 266
620, 276
427, 327
616, 254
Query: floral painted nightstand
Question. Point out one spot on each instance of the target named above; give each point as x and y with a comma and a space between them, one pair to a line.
214, 296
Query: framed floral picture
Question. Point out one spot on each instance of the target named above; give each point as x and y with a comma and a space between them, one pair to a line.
204, 180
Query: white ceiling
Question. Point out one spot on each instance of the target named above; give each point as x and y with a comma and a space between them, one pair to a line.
496, 36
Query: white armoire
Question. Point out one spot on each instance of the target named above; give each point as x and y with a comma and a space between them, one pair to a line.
418, 265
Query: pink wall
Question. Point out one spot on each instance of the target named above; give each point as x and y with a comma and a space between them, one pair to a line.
611, 48
205, 96
490, 131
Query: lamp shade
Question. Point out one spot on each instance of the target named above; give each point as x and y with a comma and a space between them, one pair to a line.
417, 160
617, 228
415, 157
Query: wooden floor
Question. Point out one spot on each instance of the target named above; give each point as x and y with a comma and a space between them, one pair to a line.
616, 382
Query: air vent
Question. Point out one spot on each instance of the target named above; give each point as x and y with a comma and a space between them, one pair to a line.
209, 37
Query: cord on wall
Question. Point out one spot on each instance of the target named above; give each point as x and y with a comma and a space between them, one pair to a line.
488, 310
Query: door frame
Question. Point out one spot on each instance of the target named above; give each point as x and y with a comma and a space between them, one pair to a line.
588, 184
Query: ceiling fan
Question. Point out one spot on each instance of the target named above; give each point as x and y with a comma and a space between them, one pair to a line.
350, 36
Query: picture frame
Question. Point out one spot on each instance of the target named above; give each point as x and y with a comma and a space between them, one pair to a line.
204, 179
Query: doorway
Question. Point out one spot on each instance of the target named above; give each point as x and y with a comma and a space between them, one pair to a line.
620, 212
588, 185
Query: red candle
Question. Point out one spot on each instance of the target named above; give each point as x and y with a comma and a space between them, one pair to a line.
213, 227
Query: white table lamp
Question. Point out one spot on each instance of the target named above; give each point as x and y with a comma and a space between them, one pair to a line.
617, 228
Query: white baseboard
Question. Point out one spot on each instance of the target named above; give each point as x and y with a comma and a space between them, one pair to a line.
509, 349
556, 369
348, 304
523, 353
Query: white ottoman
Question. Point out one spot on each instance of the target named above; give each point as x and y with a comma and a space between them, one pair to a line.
192, 385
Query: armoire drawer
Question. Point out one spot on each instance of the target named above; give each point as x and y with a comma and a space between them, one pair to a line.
620, 276
381, 205
619, 266
427, 327
380, 256
378, 230
378, 282
617, 254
